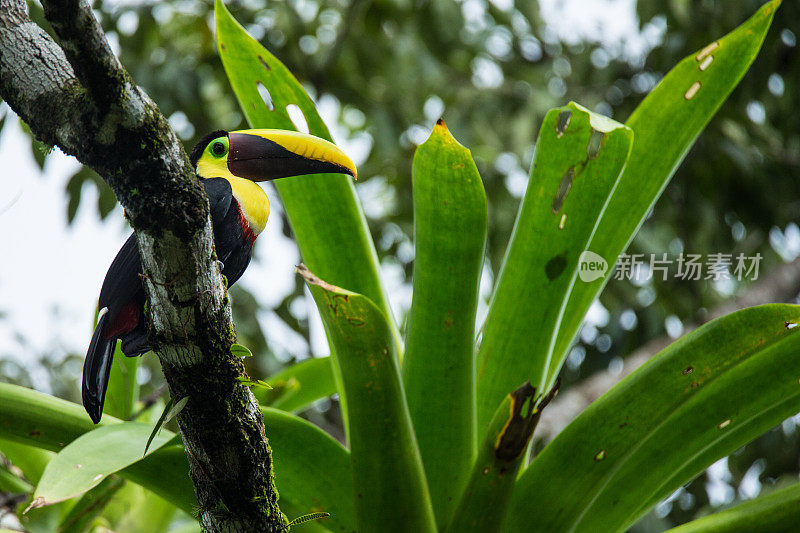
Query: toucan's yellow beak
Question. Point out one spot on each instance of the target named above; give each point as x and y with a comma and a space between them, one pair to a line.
262, 155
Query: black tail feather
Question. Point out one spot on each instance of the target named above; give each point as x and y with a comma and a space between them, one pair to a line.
96, 369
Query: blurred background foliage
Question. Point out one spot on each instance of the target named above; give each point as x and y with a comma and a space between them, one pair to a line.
386, 70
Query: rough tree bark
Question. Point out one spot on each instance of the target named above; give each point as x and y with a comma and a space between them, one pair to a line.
76, 95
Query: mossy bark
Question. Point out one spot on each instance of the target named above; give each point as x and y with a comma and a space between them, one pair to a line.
76, 95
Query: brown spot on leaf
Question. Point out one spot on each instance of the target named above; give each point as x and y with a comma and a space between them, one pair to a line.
555, 267
688, 370
563, 190
562, 123
517, 432
595, 143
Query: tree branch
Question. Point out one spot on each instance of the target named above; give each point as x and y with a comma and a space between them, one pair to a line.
79, 97
780, 285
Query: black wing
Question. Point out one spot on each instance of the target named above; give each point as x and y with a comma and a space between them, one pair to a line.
122, 281
219, 194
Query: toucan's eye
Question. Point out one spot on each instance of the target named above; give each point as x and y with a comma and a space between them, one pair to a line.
218, 148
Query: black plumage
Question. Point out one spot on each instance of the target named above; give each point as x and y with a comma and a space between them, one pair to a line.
122, 296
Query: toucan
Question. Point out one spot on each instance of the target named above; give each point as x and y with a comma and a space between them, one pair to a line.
228, 164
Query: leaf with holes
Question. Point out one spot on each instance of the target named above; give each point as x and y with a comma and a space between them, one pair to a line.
666, 125
578, 160
700, 399
484, 501
323, 210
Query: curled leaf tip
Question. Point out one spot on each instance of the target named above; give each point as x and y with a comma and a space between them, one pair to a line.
312, 279
35, 504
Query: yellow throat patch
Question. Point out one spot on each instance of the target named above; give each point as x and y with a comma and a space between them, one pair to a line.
252, 200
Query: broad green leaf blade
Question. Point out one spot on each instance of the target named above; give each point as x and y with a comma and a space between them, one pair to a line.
323, 210
700, 399
30, 459
312, 470
303, 383
90, 505
87, 460
578, 160
666, 125
439, 362
483, 505
389, 484
36, 419
165, 472
777, 511
136, 510
123, 390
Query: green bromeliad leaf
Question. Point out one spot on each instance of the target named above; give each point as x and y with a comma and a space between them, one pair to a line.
312, 470
35, 419
666, 125
123, 390
326, 218
579, 157
300, 385
776, 511
700, 399
390, 491
484, 502
87, 460
439, 363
